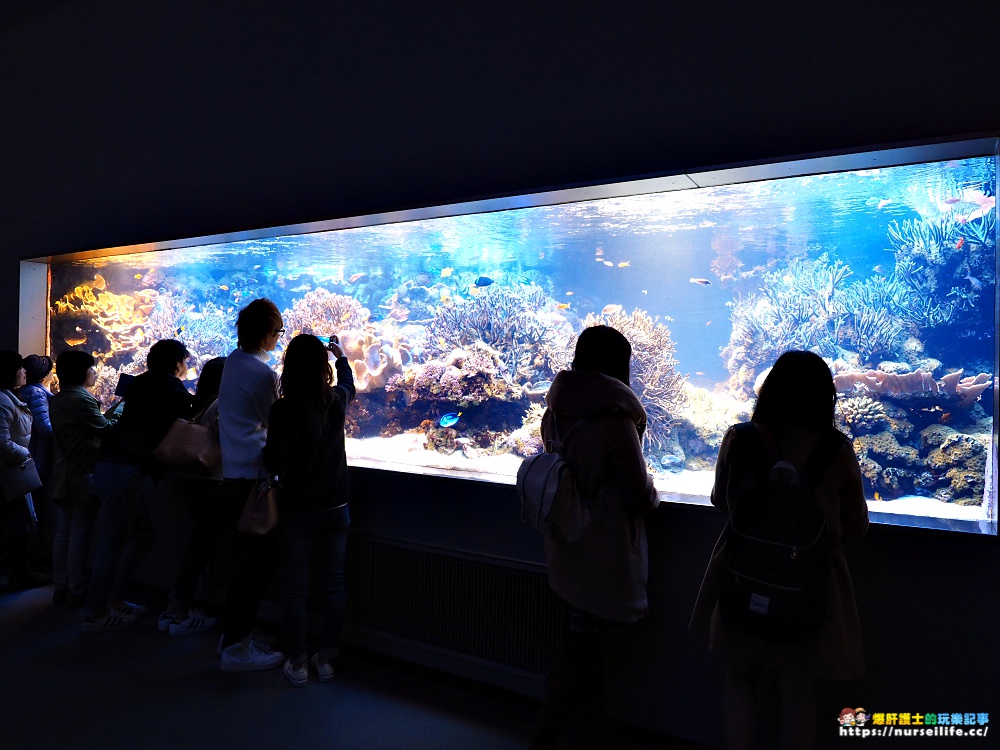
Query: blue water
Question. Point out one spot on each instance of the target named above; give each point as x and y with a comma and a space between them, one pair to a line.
640, 252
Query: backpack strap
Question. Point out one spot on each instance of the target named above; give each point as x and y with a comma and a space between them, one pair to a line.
558, 443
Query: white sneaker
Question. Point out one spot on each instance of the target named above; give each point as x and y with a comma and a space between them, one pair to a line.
196, 622
249, 656
164, 621
298, 676
323, 669
130, 608
112, 619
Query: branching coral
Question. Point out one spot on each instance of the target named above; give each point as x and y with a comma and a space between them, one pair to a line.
322, 312
861, 414
655, 379
520, 322
207, 330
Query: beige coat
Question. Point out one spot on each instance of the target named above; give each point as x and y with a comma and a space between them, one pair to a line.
835, 652
605, 572
15, 429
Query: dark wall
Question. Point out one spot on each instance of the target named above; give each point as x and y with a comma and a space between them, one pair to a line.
126, 122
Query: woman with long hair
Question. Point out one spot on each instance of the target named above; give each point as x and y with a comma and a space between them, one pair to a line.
601, 577
793, 420
305, 457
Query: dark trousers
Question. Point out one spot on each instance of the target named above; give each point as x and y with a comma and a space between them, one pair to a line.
254, 564
301, 534
207, 510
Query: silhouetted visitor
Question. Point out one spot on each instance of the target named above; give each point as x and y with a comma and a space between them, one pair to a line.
36, 394
305, 457
123, 532
77, 429
18, 521
792, 421
248, 390
200, 495
602, 577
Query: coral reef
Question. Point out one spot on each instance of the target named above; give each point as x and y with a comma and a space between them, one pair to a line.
322, 312
527, 440
655, 379
521, 323
464, 377
861, 414
374, 361
951, 390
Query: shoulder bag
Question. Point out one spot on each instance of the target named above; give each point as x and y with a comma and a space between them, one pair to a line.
260, 513
20, 479
190, 445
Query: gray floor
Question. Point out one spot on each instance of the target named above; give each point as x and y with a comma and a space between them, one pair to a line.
139, 688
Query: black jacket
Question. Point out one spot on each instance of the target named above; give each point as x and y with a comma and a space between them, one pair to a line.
305, 448
152, 403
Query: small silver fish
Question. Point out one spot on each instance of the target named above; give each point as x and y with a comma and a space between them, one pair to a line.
702, 282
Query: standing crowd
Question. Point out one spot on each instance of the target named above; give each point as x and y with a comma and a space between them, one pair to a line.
92, 518
285, 434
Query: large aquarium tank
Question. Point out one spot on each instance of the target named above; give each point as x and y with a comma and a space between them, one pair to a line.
456, 320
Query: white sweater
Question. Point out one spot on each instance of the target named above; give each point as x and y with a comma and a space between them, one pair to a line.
249, 387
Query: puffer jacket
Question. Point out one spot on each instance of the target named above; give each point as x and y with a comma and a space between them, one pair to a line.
37, 397
604, 573
15, 429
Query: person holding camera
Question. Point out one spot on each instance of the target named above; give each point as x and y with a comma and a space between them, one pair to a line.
305, 457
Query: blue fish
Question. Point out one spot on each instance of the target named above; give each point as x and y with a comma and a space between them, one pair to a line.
449, 419
484, 281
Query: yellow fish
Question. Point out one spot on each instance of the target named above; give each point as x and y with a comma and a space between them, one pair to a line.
137, 276
562, 305
878, 497
446, 299
75, 340
446, 272
99, 282
223, 287
625, 264
346, 316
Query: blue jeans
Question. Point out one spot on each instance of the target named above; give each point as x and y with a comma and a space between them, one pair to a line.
70, 547
119, 488
299, 534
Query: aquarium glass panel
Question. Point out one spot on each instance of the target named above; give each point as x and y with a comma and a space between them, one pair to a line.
456, 326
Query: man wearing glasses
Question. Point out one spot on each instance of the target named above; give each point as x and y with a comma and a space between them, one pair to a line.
249, 387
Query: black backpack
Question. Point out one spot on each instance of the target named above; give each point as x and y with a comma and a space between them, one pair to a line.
775, 583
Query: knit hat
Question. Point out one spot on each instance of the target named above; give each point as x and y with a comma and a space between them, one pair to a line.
36, 367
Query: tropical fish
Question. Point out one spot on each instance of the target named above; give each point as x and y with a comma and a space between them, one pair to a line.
878, 497
961, 241
346, 316
446, 299
708, 322
450, 419
99, 282
599, 259
952, 200
223, 287
75, 340
645, 291
608, 263
484, 281
625, 264
946, 417
699, 372
179, 331
702, 282
446, 272
600, 251
884, 202
137, 276
973, 281
562, 305
473, 290
256, 267
356, 277
611, 309
569, 294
